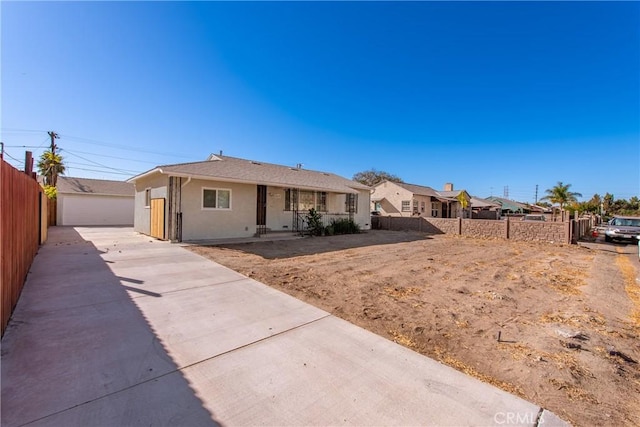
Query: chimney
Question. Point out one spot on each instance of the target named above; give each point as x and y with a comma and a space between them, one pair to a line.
448, 186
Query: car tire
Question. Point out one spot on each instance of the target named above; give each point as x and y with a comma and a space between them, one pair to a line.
607, 238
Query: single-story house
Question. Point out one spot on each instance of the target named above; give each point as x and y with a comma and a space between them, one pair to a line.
401, 199
227, 197
84, 201
485, 209
510, 206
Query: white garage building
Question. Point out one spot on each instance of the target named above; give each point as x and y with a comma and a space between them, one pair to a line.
83, 201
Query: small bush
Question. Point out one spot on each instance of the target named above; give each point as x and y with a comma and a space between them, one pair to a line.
314, 221
344, 226
51, 192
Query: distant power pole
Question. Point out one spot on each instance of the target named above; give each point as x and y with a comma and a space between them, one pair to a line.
506, 192
53, 171
53, 137
536, 194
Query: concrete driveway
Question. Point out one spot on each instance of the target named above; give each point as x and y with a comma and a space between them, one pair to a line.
114, 329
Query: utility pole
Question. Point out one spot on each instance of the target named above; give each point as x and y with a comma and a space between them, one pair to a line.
54, 174
1, 150
536, 194
53, 137
506, 191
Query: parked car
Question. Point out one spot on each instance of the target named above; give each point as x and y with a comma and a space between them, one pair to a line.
533, 218
623, 228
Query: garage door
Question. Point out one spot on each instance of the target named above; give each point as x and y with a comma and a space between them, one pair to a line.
95, 210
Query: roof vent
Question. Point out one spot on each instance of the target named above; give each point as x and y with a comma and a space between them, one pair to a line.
255, 163
213, 157
299, 166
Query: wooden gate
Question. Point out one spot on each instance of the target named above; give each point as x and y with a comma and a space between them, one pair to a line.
157, 218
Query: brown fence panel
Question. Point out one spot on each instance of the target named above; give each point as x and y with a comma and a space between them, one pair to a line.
20, 233
52, 211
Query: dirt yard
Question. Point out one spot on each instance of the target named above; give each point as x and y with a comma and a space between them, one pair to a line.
556, 325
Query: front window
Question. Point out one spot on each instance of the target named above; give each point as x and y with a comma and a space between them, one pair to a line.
434, 209
321, 201
406, 206
305, 200
216, 198
147, 198
351, 203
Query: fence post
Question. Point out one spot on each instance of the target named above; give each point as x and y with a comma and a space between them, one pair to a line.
459, 226
506, 228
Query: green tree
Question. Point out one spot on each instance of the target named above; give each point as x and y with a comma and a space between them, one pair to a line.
607, 202
561, 195
50, 166
372, 177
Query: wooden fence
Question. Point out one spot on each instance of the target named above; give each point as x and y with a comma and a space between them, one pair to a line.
23, 212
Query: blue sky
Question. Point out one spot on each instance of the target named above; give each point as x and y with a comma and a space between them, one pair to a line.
486, 95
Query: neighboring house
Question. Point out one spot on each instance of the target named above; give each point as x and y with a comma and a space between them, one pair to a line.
509, 206
400, 199
485, 209
84, 201
226, 197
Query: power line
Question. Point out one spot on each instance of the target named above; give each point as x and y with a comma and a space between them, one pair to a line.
21, 162
23, 146
105, 172
99, 164
122, 147
111, 157
72, 164
12, 130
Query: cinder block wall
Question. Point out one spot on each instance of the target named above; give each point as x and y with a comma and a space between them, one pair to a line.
445, 225
551, 232
484, 228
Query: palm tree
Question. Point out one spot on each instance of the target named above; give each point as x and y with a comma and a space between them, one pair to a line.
561, 195
50, 166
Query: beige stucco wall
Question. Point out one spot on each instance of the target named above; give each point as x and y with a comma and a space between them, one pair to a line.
393, 195
238, 221
279, 219
87, 209
142, 215
363, 216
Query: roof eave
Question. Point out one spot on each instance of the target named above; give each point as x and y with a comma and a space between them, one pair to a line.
144, 175
345, 190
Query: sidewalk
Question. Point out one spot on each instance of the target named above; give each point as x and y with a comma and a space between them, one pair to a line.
117, 329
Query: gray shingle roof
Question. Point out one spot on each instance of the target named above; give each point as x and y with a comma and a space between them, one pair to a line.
477, 202
418, 189
507, 204
450, 194
234, 169
68, 185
